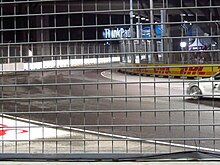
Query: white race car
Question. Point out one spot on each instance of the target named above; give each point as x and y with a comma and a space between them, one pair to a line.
206, 87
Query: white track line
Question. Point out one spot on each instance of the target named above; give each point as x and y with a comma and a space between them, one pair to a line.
20, 130
131, 78
113, 135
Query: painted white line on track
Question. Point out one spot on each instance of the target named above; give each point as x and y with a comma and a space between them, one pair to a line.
12, 129
63, 132
148, 81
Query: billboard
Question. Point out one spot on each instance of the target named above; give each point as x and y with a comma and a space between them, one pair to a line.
109, 33
146, 31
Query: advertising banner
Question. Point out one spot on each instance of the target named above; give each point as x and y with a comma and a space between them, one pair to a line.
175, 70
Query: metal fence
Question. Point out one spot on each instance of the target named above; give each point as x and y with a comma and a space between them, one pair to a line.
65, 88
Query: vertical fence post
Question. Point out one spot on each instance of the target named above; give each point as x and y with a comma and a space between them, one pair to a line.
132, 33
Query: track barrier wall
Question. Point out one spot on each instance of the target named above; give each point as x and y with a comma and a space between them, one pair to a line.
175, 70
12, 67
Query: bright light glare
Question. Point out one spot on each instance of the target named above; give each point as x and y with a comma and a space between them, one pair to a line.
182, 44
30, 53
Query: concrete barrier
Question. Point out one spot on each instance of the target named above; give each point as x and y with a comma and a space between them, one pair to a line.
11, 67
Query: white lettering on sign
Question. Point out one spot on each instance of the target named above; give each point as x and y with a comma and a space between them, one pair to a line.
117, 33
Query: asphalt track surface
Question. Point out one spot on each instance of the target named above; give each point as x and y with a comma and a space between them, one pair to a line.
69, 98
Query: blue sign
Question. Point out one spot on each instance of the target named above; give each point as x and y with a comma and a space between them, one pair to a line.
157, 29
146, 31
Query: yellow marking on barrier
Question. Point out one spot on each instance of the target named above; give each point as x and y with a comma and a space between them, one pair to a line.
187, 70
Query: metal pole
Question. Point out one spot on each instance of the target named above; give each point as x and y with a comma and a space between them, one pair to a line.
131, 16
138, 34
218, 40
152, 30
163, 33
132, 32
8, 53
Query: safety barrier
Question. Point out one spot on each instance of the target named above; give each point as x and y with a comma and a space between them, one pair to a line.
175, 70
11, 67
